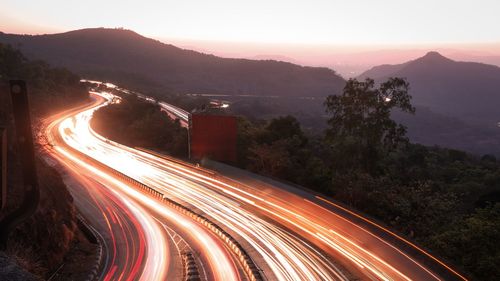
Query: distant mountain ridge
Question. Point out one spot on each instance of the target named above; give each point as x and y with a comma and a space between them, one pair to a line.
457, 102
123, 55
466, 90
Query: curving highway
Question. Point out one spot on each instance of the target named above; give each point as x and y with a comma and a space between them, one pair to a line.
289, 233
132, 225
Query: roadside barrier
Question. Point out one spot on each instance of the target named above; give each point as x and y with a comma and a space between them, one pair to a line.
191, 269
94, 237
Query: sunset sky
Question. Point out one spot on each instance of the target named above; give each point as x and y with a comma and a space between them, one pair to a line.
240, 27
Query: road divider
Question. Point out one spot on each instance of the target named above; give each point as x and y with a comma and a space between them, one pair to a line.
191, 269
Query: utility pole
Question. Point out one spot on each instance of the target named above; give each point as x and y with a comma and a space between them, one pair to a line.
26, 153
3, 167
189, 135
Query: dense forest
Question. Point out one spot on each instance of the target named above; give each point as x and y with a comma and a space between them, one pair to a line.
444, 199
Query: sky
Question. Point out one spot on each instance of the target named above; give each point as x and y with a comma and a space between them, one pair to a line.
228, 27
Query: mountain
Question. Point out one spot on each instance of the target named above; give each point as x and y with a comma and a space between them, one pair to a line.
466, 90
123, 56
457, 102
276, 58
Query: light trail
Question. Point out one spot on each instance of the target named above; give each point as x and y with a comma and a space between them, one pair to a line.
219, 260
289, 257
146, 257
174, 111
285, 231
141, 252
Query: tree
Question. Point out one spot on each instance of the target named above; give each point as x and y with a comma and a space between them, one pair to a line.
272, 160
473, 242
135, 122
278, 148
285, 127
360, 124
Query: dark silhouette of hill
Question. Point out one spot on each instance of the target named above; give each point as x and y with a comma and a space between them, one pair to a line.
457, 102
125, 56
465, 90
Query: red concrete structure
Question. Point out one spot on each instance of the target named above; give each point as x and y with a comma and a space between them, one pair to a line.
213, 136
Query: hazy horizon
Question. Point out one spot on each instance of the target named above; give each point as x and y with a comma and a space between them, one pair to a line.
348, 36
348, 61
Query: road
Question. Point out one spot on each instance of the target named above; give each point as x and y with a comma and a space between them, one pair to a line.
137, 244
289, 233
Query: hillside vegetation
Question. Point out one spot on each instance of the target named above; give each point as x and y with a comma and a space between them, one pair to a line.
140, 124
445, 199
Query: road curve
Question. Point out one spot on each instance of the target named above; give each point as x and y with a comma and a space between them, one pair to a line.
290, 233
378, 252
285, 256
131, 224
121, 223
308, 206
